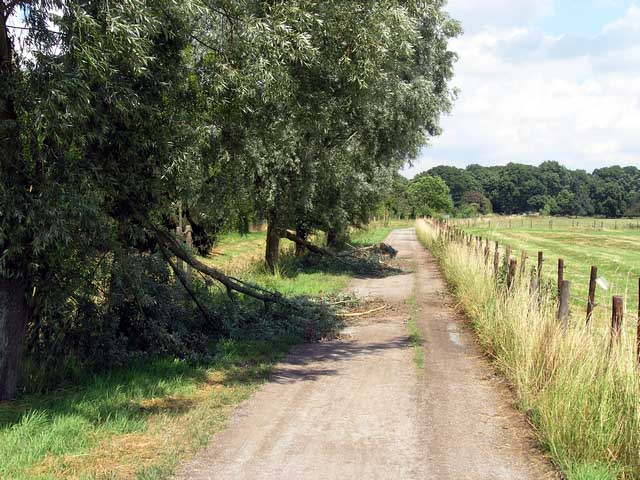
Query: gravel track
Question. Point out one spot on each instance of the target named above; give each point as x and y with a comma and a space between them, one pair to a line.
357, 407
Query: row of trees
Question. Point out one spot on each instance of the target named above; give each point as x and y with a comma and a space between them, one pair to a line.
116, 115
548, 188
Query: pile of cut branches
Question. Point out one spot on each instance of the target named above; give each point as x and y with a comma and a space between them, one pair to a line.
372, 259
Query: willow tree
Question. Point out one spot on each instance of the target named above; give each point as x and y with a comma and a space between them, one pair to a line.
365, 105
110, 114
113, 112
88, 131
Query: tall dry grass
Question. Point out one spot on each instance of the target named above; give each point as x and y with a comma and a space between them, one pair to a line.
582, 396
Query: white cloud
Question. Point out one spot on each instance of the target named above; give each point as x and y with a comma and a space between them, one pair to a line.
476, 14
523, 101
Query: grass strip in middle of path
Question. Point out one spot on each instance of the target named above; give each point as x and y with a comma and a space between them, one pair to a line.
415, 337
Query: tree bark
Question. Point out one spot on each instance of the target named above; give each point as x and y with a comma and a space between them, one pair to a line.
302, 234
14, 308
13, 320
335, 237
272, 250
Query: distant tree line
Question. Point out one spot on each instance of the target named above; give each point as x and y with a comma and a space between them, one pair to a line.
549, 188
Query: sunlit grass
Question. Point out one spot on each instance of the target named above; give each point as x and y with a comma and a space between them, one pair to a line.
582, 398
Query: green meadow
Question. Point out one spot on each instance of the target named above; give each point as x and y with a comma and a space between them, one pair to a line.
613, 246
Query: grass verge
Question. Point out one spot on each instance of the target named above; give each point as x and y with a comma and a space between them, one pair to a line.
582, 396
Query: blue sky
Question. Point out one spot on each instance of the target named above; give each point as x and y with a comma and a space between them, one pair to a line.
543, 80
582, 17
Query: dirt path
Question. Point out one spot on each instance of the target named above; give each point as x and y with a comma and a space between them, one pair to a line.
357, 408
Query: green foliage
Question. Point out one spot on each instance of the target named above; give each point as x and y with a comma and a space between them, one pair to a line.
429, 196
550, 189
473, 203
116, 115
397, 201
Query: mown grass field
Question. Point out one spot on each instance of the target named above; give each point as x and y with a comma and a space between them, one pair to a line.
612, 245
141, 422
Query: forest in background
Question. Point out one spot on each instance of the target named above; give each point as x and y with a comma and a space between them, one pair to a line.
549, 188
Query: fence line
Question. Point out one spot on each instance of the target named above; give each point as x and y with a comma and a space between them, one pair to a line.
449, 233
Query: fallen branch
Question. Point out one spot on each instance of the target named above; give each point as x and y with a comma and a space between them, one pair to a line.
167, 240
185, 283
381, 248
305, 243
356, 253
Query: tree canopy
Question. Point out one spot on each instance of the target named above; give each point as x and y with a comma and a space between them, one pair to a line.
429, 196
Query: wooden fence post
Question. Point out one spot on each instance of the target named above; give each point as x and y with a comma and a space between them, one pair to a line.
496, 262
560, 275
539, 271
591, 299
563, 303
511, 275
507, 255
523, 262
616, 318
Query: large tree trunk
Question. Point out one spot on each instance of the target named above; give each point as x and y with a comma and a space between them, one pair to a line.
14, 309
301, 233
272, 250
14, 312
336, 238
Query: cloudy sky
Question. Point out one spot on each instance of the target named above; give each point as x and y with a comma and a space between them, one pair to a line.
543, 80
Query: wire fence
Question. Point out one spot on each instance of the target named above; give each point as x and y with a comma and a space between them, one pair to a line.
536, 222
499, 257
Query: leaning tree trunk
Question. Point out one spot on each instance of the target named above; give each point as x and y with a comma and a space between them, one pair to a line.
13, 321
272, 250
